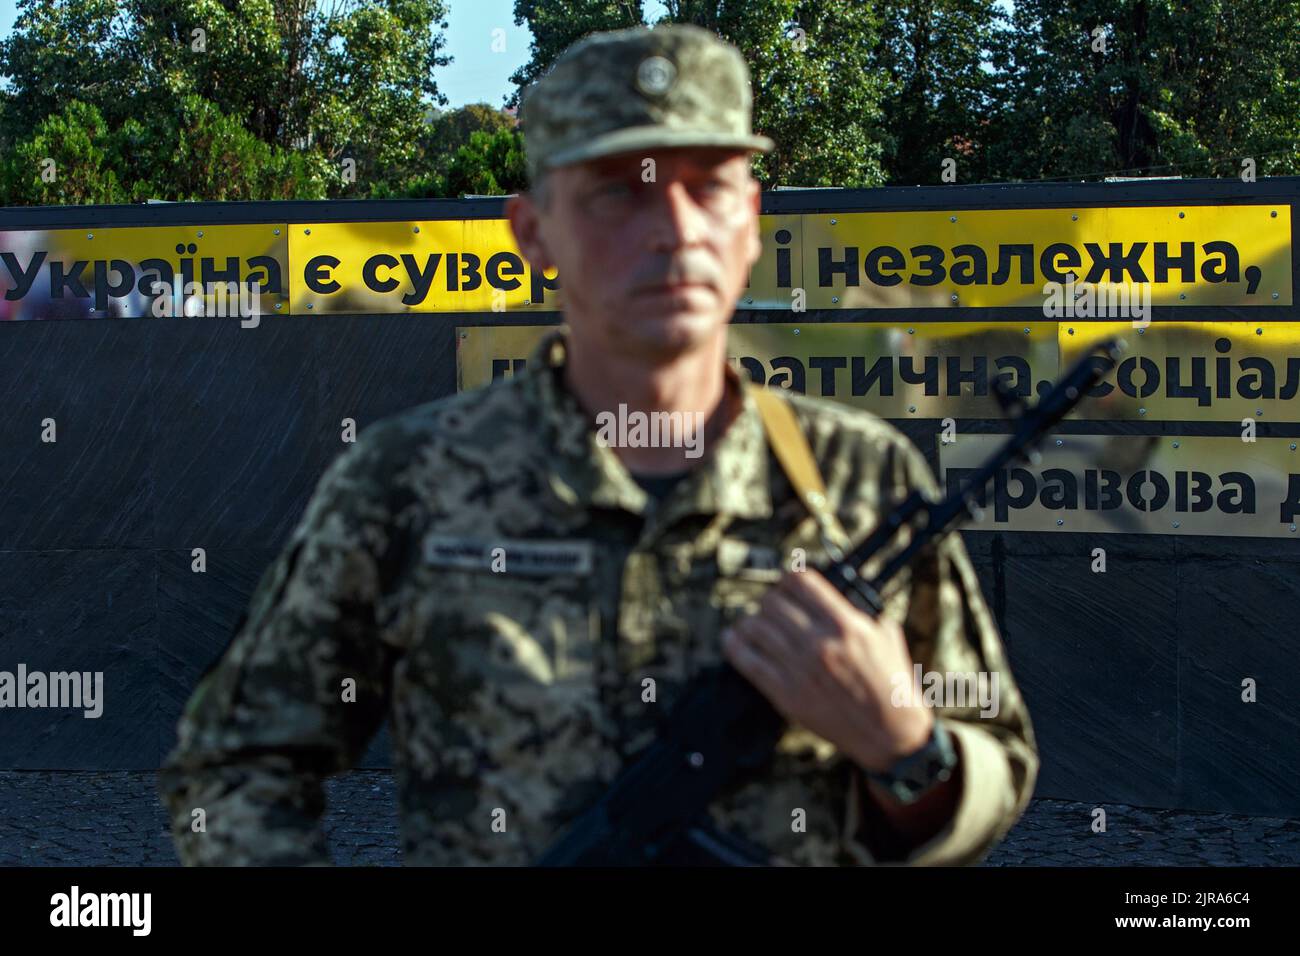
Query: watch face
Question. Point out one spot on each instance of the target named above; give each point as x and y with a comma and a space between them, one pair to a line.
918, 772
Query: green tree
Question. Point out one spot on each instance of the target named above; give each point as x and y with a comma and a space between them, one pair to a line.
447, 132
934, 53
447, 151
65, 51
203, 153
67, 160
299, 85
555, 24
490, 164
1187, 88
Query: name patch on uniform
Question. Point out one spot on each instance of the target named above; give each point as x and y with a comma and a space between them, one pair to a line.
535, 557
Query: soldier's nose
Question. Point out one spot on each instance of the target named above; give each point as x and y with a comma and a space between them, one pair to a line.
677, 220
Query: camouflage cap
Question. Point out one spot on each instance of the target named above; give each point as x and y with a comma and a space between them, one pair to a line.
637, 89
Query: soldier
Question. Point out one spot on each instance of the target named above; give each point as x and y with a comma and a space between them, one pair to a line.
524, 597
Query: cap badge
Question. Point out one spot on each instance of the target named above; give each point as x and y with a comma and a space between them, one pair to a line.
655, 75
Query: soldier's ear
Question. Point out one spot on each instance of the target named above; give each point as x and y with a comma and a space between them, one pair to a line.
525, 222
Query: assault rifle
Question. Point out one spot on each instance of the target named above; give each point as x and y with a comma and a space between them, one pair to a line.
655, 811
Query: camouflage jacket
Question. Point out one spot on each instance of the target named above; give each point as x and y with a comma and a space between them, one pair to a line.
485, 574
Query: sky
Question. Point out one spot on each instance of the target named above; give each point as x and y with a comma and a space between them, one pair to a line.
479, 73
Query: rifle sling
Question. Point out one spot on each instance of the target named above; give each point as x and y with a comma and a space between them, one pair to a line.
791, 448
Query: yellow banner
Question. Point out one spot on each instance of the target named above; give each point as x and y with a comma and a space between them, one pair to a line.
1160, 255
447, 265
1084, 264
1172, 371
123, 272
1143, 484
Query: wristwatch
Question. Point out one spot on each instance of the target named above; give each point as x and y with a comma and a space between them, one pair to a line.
914, 775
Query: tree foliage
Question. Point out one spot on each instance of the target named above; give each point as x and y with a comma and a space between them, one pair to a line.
1191, 87
124, 100
237, 99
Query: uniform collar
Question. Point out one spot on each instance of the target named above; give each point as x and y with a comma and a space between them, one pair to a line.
731, 478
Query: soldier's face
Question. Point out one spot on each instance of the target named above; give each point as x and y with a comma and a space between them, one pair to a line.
653, 249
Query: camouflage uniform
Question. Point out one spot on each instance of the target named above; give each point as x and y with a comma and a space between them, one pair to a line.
487, 575
515, 694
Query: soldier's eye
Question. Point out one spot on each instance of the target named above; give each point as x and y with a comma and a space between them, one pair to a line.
712, 188
613, 190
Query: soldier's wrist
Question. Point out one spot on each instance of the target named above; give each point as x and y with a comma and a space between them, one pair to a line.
915, 775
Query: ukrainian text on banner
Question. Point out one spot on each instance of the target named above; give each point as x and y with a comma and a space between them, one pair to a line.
1144, 484
1178, 255
153, 271
1174, 371
1115, 262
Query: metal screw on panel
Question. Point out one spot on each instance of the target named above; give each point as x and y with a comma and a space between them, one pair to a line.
1182, 215
1182, 295
277, 232
306, 232
1059, 442
90, 235
309, 305
835, 298
833, 222
1060, 521
277, 306
1175, 524
415, 229
954, 297
1273, 214
1071, 331
911, 331
1275, 295
796, 331
911, 408
1175, 444
952, 218
1075, 217
1142, 411
1026, 331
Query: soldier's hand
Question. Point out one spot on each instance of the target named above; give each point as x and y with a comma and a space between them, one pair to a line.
831, 669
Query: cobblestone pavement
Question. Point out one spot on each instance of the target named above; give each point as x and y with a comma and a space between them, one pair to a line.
100, 818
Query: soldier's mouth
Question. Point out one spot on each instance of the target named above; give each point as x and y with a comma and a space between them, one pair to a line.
664, 288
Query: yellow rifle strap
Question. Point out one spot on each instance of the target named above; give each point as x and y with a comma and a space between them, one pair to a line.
790, 446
